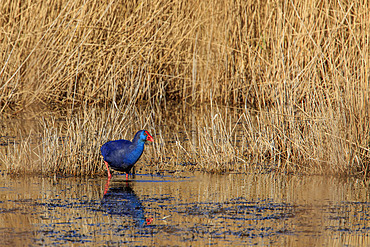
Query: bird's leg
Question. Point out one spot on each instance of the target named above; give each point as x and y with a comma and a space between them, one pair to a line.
126, 176
106, 186
106, 164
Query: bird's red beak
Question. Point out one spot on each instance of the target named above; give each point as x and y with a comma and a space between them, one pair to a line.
149, 221
149, 137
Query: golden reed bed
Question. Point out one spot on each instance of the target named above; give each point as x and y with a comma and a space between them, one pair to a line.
296, 73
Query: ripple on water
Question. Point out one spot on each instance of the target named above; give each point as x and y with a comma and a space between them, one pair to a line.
201, 209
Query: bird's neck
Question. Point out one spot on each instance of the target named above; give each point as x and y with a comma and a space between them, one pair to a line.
138, 143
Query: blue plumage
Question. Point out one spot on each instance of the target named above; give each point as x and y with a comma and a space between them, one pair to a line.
122, 200
121, 155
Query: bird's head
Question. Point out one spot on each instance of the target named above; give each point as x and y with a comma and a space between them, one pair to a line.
145, 136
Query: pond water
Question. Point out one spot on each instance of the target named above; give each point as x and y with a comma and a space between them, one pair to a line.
186, 209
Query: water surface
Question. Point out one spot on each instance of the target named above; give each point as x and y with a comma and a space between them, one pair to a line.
188, 209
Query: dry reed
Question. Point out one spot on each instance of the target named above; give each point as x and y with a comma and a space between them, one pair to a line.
298, 71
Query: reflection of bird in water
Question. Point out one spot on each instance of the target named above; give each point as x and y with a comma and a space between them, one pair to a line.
120, 199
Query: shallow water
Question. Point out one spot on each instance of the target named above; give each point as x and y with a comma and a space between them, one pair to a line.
187, 209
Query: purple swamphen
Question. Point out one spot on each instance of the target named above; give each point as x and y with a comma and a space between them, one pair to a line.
121, 155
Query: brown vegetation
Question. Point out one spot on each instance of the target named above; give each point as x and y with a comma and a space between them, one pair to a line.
298, 72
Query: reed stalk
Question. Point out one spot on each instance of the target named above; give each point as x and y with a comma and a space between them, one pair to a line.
297, 71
